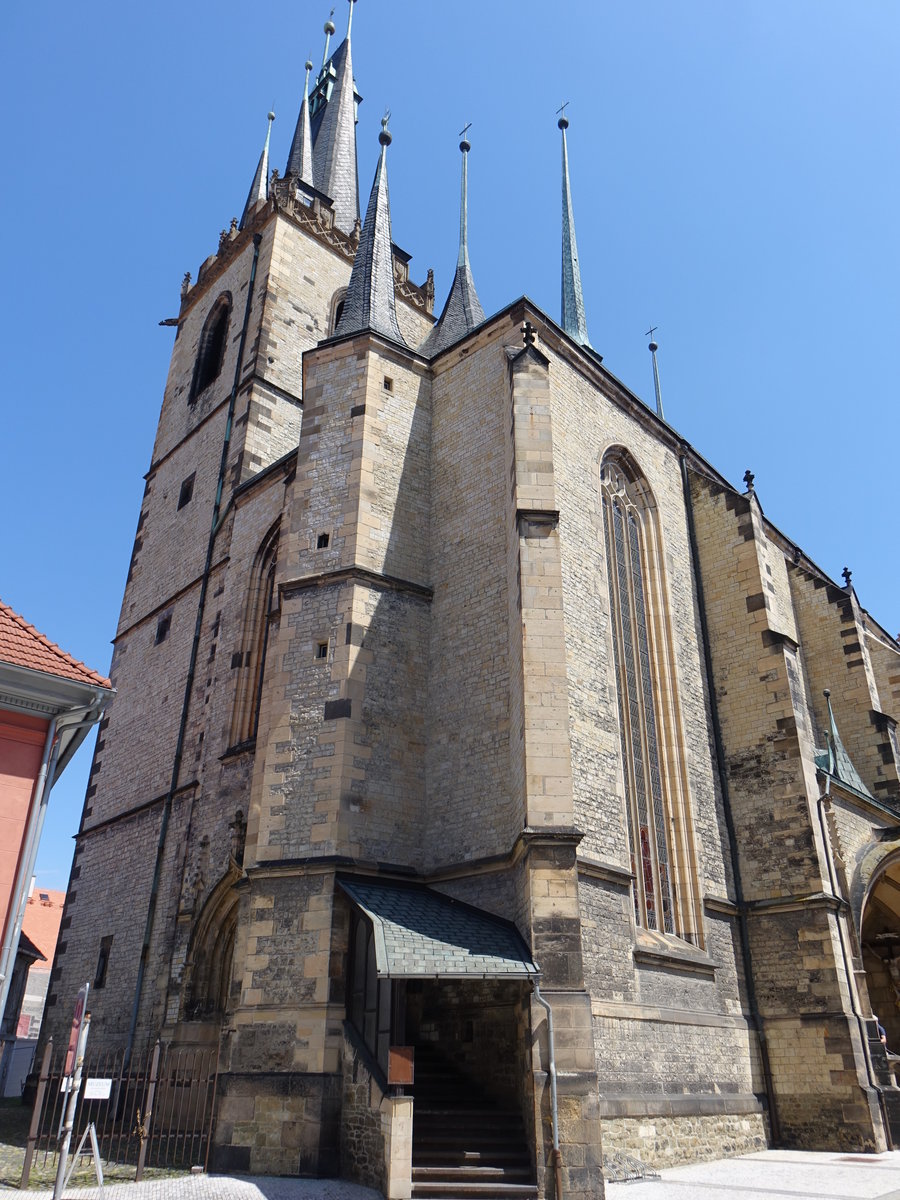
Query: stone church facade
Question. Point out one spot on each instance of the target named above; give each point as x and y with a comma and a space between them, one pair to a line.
467, 718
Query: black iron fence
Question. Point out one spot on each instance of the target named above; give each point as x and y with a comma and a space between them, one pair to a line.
154, 1111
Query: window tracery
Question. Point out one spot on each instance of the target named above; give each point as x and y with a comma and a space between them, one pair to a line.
655, 796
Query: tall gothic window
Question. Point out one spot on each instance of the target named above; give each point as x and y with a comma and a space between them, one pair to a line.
251, 658
632, 563
211, 349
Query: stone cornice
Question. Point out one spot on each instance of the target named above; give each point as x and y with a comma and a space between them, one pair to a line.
354, 574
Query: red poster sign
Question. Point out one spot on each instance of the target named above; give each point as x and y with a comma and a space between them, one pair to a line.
77, 1018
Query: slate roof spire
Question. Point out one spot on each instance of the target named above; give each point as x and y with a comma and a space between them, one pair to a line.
334, 152
370, 302
259, 188
463, 310
300, 161
573, 318
834, 758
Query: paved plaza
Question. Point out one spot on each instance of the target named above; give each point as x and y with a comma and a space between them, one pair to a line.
773, 1175
218, 1187
770, 1175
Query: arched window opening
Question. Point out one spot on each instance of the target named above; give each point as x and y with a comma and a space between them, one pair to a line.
209, 966
251, 658
655, 797
337, 309
211, 348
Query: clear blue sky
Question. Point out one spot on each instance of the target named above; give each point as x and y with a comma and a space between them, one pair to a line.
735, 177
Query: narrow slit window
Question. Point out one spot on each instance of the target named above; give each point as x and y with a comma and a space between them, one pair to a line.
187, 490
251, 658
103, 962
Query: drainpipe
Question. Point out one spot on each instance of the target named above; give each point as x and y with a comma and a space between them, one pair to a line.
192, 666
755, 1019
554, 1111
82, 717
848, 971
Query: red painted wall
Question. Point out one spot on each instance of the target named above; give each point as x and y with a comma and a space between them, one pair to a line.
21, 748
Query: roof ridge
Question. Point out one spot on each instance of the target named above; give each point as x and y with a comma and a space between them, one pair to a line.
43, 640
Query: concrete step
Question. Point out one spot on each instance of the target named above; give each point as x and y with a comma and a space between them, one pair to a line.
453, 1190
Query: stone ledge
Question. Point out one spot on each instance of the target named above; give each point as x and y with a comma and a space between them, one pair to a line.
655, 1105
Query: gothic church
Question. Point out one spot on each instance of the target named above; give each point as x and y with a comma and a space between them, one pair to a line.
492, 781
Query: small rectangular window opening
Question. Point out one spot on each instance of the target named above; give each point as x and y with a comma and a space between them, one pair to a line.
187, 490
388, 383
321, 650
322, 541
162, 628
103, 961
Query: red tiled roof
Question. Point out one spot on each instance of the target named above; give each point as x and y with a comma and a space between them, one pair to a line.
23, 646
42, 918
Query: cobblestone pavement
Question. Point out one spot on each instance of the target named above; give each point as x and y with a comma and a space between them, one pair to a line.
217, 1187
773, 1175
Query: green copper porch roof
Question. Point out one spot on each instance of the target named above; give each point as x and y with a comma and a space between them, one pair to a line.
422, 934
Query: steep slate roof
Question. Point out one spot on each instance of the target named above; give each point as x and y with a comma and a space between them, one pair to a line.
300, 162
334, 143
259, 188
574, 321
22, 645
423, 934
370, 302
463, 310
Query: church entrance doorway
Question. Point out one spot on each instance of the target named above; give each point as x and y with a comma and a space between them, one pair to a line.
880, 938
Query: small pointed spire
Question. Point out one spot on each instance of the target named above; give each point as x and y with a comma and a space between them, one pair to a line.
259, 188
370, 302
334, 152
300, 162
834, 758
463, 310
653, 349
573, 318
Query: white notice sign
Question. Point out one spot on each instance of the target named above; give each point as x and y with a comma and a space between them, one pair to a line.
97, 1089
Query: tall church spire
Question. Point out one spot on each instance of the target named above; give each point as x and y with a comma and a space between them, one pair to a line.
653, 347
463, 310
573, 318
300, 162
334, 153
370, 302
259, 188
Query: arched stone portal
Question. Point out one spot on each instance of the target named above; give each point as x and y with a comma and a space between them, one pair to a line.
880, 938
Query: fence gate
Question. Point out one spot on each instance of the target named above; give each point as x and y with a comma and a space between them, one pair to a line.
159, 1111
